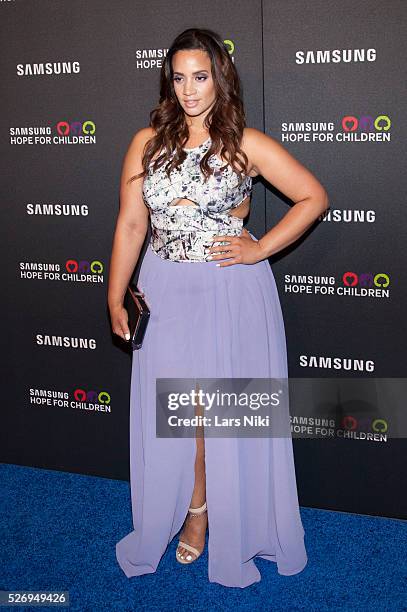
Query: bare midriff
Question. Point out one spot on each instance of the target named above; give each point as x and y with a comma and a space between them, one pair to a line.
241, 211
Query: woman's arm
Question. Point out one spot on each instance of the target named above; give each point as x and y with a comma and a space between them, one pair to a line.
270, 159
130, 232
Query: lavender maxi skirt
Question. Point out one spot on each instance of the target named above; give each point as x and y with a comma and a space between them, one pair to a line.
211, 322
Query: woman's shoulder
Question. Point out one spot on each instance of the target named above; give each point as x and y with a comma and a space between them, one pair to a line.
143, 135
138, 142
253, 141
253, 137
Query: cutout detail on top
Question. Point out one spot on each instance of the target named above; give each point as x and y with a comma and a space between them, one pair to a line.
183, 202
243, 206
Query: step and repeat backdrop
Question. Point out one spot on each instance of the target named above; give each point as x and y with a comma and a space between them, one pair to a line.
78, 80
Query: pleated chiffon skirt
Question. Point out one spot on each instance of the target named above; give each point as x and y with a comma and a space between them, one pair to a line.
211, 322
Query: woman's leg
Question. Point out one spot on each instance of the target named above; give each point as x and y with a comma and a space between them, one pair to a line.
194, 529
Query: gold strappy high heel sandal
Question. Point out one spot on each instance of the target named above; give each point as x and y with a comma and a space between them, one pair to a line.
192, 512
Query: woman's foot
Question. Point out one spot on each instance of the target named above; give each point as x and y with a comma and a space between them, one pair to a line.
193, 533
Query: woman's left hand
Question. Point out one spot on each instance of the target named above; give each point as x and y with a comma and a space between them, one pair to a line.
241, 249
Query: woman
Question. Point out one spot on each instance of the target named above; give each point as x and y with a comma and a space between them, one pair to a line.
215, 313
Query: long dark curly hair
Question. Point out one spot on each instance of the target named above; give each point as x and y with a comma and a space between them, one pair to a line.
225, 120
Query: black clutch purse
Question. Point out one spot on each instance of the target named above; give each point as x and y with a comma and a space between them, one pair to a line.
138, 313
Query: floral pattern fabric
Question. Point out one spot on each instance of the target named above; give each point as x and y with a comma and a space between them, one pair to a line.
183, 232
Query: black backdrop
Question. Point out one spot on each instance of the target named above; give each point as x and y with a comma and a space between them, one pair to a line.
78, 80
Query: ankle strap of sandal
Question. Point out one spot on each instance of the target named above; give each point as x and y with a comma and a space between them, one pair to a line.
199, 510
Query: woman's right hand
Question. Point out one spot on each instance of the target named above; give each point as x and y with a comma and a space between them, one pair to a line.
119, 320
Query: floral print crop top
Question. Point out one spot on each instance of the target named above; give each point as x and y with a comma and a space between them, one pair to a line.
183, 232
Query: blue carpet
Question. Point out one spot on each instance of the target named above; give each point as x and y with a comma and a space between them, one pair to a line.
59, 530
